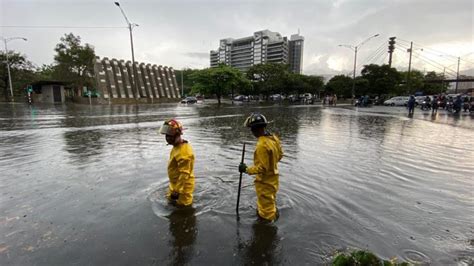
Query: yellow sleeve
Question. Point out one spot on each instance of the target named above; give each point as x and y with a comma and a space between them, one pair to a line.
280, 150
260, 160
185, 162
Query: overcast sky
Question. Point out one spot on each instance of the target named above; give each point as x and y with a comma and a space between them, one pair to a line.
181, 33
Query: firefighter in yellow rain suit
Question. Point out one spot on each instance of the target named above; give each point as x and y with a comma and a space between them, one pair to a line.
180, 165
266, 157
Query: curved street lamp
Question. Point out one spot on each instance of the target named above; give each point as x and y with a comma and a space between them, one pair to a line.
5, 41
355, 48
130, 27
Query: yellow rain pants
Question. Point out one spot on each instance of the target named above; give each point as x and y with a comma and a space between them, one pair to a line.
181, 173
266, 157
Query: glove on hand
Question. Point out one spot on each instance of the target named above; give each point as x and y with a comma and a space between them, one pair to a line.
242, 168
174, 196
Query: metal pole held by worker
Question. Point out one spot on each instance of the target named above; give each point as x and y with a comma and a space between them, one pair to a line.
240, 182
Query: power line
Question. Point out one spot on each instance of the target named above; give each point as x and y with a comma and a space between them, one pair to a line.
428, 59
376, 51
383, 60
370, 58
452, 74
454, 58
427, 62
413, 54
377, 56
372, 55
426, 47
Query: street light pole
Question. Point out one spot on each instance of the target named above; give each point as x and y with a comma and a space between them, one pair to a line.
5, 41
130, 27
354, 75
409, 67
182, 88
355, 48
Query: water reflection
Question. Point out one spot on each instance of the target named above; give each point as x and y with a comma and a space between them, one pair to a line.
84, 145
182, 226
262, 247
349, 178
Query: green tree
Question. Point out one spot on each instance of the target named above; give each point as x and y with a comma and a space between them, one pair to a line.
340, 85
21, 71
382, 79
361, 86
75, 62
295, 84
218, 81
45, 72
315, 84
268, 78
187, 80
243, 86
413, 83
434, 88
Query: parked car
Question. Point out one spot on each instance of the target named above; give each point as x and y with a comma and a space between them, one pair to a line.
189, 100
397, 101
276, 97
241, 98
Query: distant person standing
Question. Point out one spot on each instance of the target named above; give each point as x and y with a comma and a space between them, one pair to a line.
180, 164
465, 105
435, 105
334, 100
457, 104
411, 105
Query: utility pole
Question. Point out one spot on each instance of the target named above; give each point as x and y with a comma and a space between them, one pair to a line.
409, 67
182, 87
391, 47
457, 76
354, 76
444, 73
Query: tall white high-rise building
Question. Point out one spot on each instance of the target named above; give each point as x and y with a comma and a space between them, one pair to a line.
262, 47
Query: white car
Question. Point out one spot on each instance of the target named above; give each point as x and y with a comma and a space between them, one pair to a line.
397, 101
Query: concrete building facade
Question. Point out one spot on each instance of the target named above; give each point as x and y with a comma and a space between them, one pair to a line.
262, 47
295, 53
115, 79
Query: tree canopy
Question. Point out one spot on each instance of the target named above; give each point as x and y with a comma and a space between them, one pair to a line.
381, 79
434, 88
21, 71
218, 81
340, 85
74, 61
268, 78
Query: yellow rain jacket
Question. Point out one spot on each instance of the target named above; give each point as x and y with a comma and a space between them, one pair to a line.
266, 157
181, 173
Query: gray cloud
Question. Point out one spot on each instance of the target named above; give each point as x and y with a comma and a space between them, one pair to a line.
181, 33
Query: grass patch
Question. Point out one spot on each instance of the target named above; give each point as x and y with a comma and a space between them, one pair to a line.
363, 258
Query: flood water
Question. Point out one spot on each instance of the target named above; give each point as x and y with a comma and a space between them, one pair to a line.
85, 185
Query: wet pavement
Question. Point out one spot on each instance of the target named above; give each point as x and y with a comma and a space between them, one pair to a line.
85, 185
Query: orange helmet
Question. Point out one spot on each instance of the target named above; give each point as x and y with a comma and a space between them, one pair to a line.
171, 127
